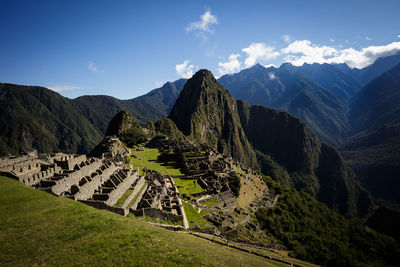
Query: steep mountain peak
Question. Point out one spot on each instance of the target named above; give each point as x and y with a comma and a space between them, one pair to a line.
206, 112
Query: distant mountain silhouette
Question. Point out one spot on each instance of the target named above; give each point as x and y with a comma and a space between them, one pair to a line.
371, 72
289, 90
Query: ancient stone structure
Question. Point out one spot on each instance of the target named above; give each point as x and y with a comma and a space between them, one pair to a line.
100, 183
161, 198
106, 182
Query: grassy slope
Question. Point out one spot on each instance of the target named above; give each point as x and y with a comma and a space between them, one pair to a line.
195, 218
38, 228
149, 159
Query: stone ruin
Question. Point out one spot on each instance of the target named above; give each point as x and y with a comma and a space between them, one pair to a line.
161, 198
100, 183
105, 182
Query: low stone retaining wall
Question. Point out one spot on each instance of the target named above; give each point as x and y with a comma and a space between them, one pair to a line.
103, 206
156, 213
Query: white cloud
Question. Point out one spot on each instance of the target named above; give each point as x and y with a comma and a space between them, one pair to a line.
286, 38
59, 88
398, 36
159, 83
270, 65
185, 70
231, 66
259, 51
332, 40
368, 38
201, 27
271, 76
93, 67
300, 52
311, 53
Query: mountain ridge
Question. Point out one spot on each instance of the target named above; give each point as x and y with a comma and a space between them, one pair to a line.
279, 134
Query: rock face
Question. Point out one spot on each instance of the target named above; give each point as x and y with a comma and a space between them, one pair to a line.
313, 167
288, 140
206, 112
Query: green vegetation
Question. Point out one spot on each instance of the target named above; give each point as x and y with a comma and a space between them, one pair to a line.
188, 186
195, 219
133, 136
165, 127
148, 158
210, 203
40, 229
35, 117
317, 234
122, 199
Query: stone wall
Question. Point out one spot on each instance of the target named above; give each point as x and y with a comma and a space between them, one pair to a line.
73, 178
103, 206
139, 185
156, 213
41, 175
26, 167
9, 161
117, 193
68, 162
97, 178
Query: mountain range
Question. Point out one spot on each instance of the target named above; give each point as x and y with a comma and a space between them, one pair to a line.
353, 110
207, 113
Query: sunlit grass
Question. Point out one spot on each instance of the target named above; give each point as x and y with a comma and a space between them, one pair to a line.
148, 158
195, 218
38, 228
188, 186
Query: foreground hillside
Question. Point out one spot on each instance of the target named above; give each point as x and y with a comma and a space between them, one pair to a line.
40, 229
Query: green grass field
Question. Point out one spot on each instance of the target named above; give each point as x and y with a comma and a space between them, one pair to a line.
149, 159
188, 187
38, 228
211, 203
193, 215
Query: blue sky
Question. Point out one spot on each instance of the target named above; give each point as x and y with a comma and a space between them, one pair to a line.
126, 48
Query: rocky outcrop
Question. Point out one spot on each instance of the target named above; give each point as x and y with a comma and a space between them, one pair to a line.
126, 128
207, 113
